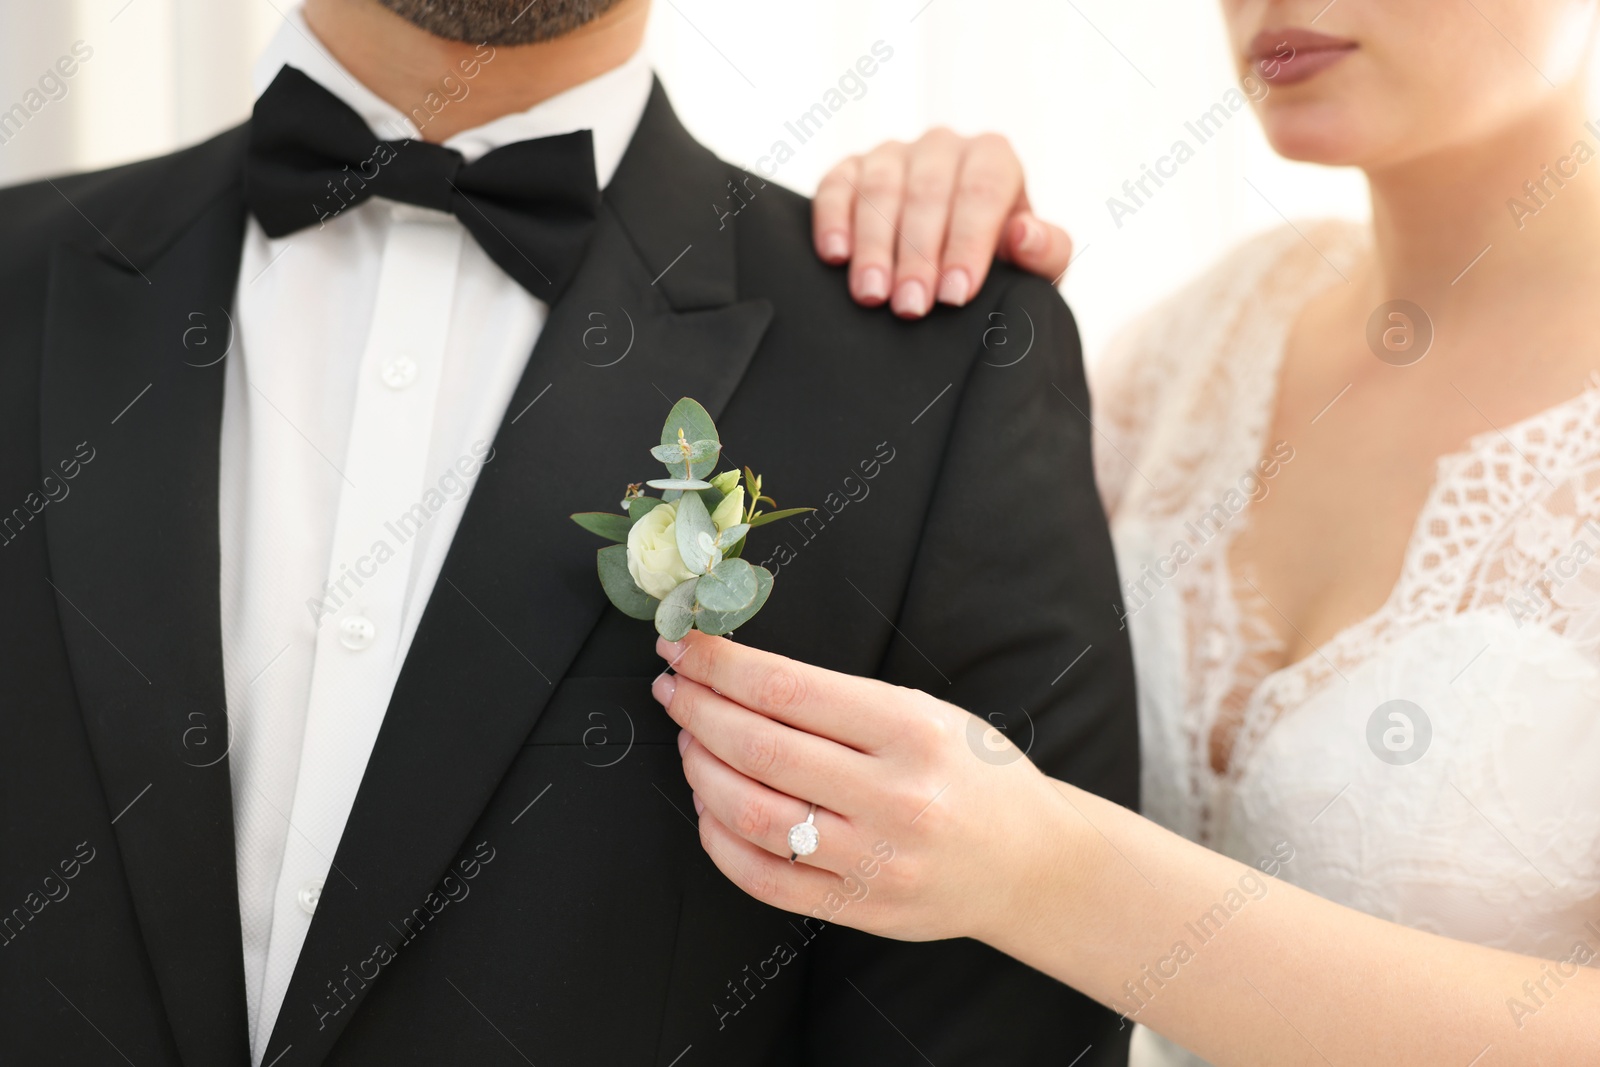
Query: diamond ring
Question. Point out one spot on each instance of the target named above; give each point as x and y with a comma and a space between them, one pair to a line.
803, 837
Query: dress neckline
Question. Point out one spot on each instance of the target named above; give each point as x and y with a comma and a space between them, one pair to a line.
1277, 690
1473, 450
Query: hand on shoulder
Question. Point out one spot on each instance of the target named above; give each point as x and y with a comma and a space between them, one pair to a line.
923, 222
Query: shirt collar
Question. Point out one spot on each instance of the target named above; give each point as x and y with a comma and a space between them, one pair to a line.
609, 105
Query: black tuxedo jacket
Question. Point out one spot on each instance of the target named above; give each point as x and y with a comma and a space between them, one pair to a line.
521, 879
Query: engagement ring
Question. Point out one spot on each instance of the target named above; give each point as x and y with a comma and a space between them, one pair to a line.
803, 836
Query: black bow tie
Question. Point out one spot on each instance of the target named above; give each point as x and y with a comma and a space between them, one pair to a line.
530, 205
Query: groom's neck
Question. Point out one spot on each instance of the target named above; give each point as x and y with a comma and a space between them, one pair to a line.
406, 65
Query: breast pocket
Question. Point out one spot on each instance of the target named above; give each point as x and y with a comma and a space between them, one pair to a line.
606, 716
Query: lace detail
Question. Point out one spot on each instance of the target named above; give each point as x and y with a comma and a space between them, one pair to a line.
1184, 401
1501, 514
1492, 629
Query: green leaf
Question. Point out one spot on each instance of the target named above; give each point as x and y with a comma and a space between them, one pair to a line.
730, 586
673, 455
774, 516
731, 542
611, 527
694, 520
708, 546
717, 623
640, 506
675, 616
695, 422
619, 584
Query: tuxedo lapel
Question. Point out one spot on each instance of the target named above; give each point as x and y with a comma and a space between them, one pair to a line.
128, 397
518, 593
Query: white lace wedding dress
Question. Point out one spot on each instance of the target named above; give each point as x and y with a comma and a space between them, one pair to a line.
1475, 814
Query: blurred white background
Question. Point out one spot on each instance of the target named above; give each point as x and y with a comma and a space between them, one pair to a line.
1090, 91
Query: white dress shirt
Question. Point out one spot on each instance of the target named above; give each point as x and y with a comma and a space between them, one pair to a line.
373, 361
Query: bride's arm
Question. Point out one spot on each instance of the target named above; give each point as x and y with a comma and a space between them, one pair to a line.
930, 828
923, 221
1288, 977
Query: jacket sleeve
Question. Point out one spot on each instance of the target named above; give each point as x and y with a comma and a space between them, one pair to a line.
1012, 612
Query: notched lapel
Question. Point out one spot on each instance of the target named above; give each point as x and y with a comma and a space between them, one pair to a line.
130, 393
515, 601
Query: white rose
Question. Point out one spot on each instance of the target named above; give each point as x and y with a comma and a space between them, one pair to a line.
653, 557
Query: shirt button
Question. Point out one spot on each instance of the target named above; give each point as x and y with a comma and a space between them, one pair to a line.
308, 896
399, 372
356, 632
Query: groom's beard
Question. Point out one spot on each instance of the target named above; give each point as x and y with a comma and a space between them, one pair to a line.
502, 22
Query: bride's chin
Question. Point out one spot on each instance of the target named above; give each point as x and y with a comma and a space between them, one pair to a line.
1316, 133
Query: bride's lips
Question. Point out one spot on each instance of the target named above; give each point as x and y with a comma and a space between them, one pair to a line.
1290, 56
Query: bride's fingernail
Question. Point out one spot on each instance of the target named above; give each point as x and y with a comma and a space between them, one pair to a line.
699, 805
835, 249
911, 300
663, 688
874, 285
955, 287
683, 741
1030, 235
669, 650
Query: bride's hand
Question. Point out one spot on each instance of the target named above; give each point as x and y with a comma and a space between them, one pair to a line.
923, 221
920, 838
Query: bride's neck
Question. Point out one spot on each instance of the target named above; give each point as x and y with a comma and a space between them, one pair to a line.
1490, 219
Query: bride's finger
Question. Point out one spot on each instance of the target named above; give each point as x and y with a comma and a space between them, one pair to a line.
833, 211
879, 192
931, 170
986, 194
790, 886
1036, 246
862, 713
765, 817
789, 761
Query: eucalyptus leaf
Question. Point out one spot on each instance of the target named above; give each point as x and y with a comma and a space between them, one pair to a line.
676, 616
640, 506
619, 585
730, 586
673, 455
708, 547
677, 483
718, 623
706, 448
688, 417
668, 453
694, 520
774, 516
611, 527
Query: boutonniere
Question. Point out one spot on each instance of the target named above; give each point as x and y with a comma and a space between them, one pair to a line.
677, 559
